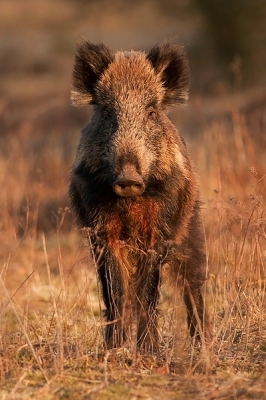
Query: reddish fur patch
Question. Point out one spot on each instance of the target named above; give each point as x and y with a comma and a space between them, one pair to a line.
113, 232
134, 222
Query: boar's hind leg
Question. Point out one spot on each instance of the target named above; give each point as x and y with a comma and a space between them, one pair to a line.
148, 297
194, 273
112, 290
187, 264
197, 318
195, 310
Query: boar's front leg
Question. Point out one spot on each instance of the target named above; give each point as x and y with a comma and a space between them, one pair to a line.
147, 301
112, 291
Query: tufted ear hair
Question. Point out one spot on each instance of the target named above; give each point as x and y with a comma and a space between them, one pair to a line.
90, 62
170, 63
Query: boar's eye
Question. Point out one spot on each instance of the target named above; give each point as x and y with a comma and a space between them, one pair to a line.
151, 113
107, 113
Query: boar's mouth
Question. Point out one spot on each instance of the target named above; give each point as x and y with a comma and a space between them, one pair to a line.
129, 183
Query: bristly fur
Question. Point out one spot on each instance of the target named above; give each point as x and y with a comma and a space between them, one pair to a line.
130, 135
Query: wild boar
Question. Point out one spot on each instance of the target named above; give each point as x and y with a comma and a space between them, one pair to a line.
134, 190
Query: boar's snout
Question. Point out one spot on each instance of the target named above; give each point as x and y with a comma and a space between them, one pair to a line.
128, 187
129, 183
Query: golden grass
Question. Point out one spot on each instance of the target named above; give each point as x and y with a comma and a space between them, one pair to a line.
51, 342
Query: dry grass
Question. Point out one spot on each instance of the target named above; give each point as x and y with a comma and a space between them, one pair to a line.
51, 344
51, 325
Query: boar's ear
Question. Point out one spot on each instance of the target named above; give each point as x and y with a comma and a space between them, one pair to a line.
90, 62
170, 63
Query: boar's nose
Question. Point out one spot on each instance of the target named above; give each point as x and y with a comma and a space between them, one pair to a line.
129, 184
128, 187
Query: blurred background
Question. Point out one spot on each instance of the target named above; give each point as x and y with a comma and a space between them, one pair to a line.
224, 126
224, 123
